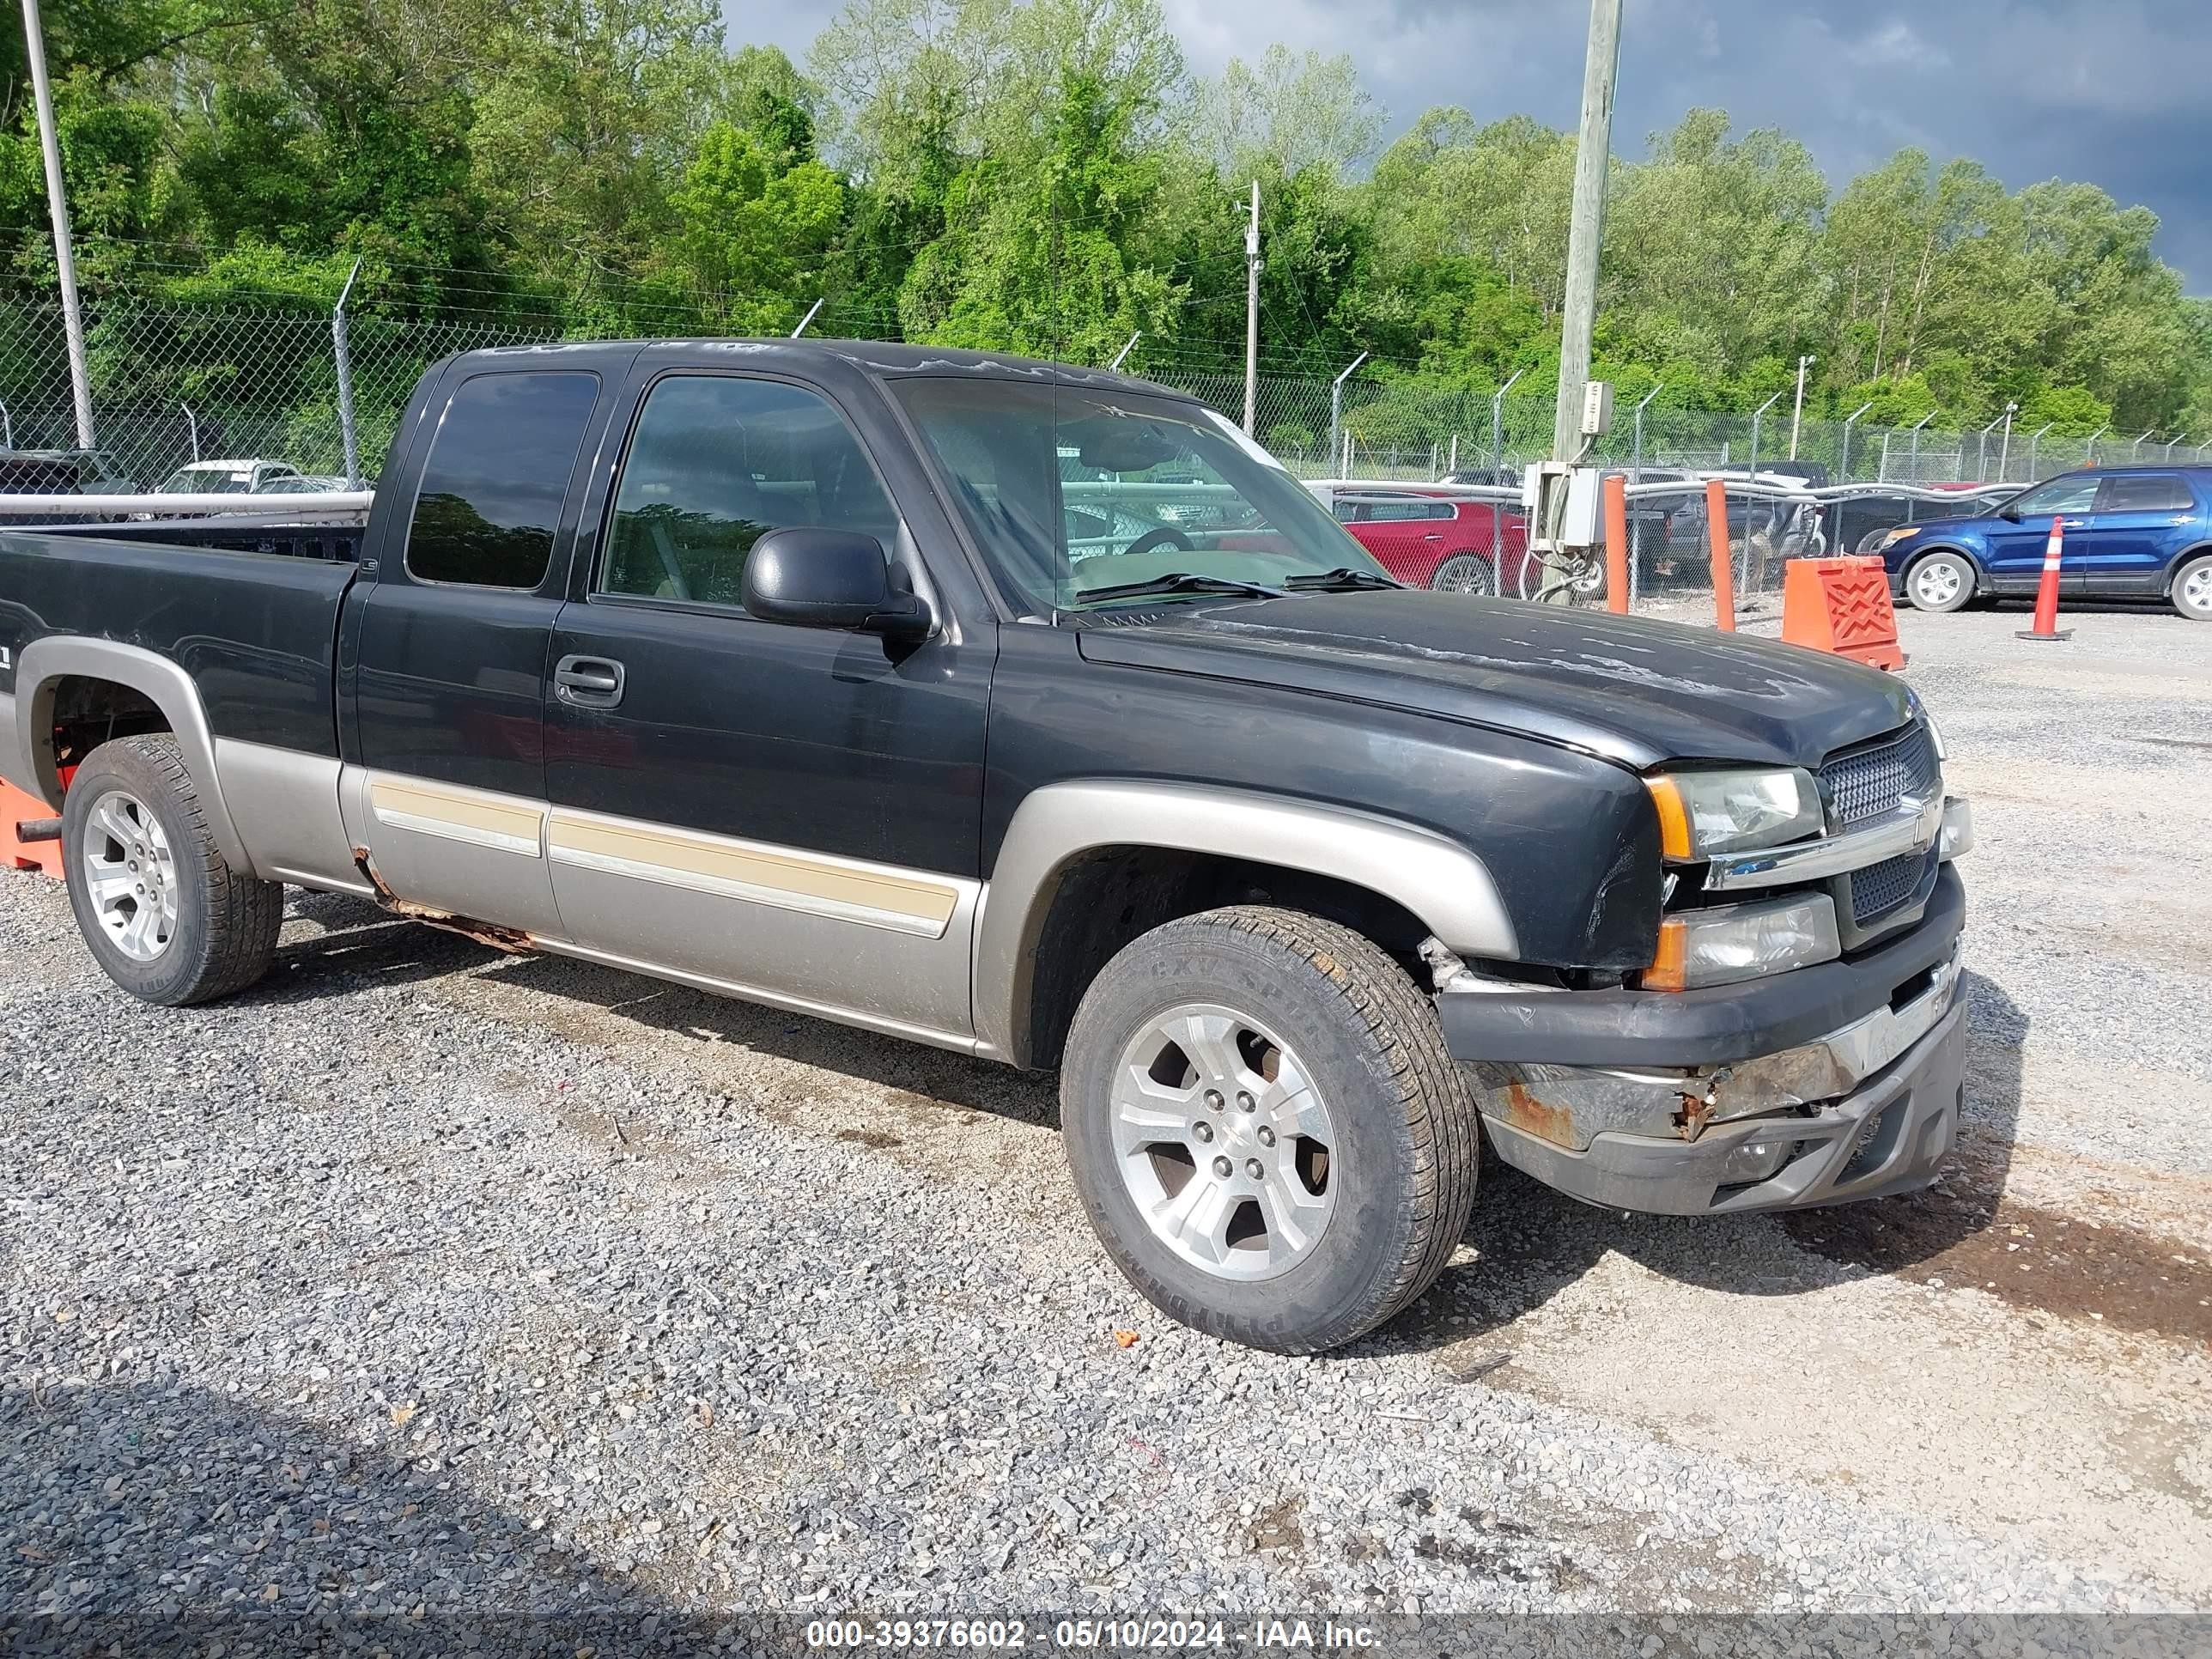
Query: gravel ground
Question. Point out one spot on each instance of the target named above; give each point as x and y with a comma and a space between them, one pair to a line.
421, 1282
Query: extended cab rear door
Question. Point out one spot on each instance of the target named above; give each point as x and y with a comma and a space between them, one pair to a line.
792, 812
446, 658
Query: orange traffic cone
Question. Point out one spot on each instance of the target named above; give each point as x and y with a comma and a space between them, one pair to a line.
2046, 593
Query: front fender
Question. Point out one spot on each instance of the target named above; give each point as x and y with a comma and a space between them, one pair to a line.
1444, 884
44, 664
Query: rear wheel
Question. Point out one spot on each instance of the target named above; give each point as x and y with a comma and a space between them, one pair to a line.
1940, 582
1265, 1129
2193, 589
166, 917
1464, 573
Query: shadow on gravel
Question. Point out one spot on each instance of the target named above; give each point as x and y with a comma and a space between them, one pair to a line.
1531, 1242
361, 945
166, 1519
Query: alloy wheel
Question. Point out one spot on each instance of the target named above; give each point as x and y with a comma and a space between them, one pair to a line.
131, 875
1223, 1142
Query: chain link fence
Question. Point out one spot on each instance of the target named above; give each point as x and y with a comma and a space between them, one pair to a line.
174, 382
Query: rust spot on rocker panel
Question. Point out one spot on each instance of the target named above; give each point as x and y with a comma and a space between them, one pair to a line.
513, 940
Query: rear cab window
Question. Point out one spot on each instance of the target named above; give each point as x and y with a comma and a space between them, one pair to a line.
496, 475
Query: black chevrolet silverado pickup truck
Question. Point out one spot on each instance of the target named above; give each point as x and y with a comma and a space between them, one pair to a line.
1035, 712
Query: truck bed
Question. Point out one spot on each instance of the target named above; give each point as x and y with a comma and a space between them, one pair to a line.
257, 631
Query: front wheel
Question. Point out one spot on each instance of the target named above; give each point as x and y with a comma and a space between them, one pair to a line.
1941, 581
166, 917
1265, 1129
2193, 589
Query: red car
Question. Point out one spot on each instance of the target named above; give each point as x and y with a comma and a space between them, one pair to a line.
1435, 538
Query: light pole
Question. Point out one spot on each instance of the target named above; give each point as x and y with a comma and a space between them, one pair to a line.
1797, 414
1981, 455
1843, 462
1497, 416
1914, 462
1586, 226
1252, 312
1336, 409
2034, 445
35, 46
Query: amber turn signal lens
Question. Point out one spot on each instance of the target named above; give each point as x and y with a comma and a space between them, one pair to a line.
1674, 817
1669, 969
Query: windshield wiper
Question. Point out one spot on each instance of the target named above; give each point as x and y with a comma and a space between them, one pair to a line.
1182, 581
1344, 577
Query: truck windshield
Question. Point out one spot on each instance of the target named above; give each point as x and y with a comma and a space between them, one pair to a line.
1072, 492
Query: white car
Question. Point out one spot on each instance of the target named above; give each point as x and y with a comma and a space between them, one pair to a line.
248, 477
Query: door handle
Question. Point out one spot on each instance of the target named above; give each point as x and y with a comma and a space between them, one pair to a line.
1433, 536
588, 682
2077, 523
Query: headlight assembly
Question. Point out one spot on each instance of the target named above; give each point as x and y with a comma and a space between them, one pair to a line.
1703, 814
1742, 941
1904, 533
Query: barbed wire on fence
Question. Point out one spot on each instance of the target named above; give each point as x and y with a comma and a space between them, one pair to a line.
175, 380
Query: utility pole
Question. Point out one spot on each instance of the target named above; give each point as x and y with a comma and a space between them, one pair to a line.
1252, 312
34, 44
1797, 416
1586, 228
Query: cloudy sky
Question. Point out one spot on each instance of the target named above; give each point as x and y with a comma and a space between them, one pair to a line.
2112, 91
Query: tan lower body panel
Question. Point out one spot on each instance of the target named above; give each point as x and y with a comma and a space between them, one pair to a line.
890, 946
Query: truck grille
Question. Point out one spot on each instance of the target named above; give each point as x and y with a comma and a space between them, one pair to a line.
1881, 888
1868, 782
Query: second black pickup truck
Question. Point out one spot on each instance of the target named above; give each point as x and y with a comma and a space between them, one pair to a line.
1035, 712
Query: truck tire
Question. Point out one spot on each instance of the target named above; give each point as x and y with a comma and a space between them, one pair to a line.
1939, 582
2191, 592
1265, 1129
166, 917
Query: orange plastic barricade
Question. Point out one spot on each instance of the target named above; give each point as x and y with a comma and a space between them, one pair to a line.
16, 807
1841, 606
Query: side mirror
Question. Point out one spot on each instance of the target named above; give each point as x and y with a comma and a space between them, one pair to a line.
829, 579
2009, 512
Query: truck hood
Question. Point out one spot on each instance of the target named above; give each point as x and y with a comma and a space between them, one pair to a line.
1634, 691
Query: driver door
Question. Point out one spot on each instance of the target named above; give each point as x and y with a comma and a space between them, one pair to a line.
789, 812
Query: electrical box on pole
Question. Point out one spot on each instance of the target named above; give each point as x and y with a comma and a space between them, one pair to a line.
1597, 407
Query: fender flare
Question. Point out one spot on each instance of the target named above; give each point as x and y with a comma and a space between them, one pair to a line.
43, 664
1444, 884
2173, 565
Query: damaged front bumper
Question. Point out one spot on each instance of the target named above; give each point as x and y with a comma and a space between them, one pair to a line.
1824, 1084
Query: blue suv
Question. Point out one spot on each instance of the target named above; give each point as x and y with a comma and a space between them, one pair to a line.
2131, 532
